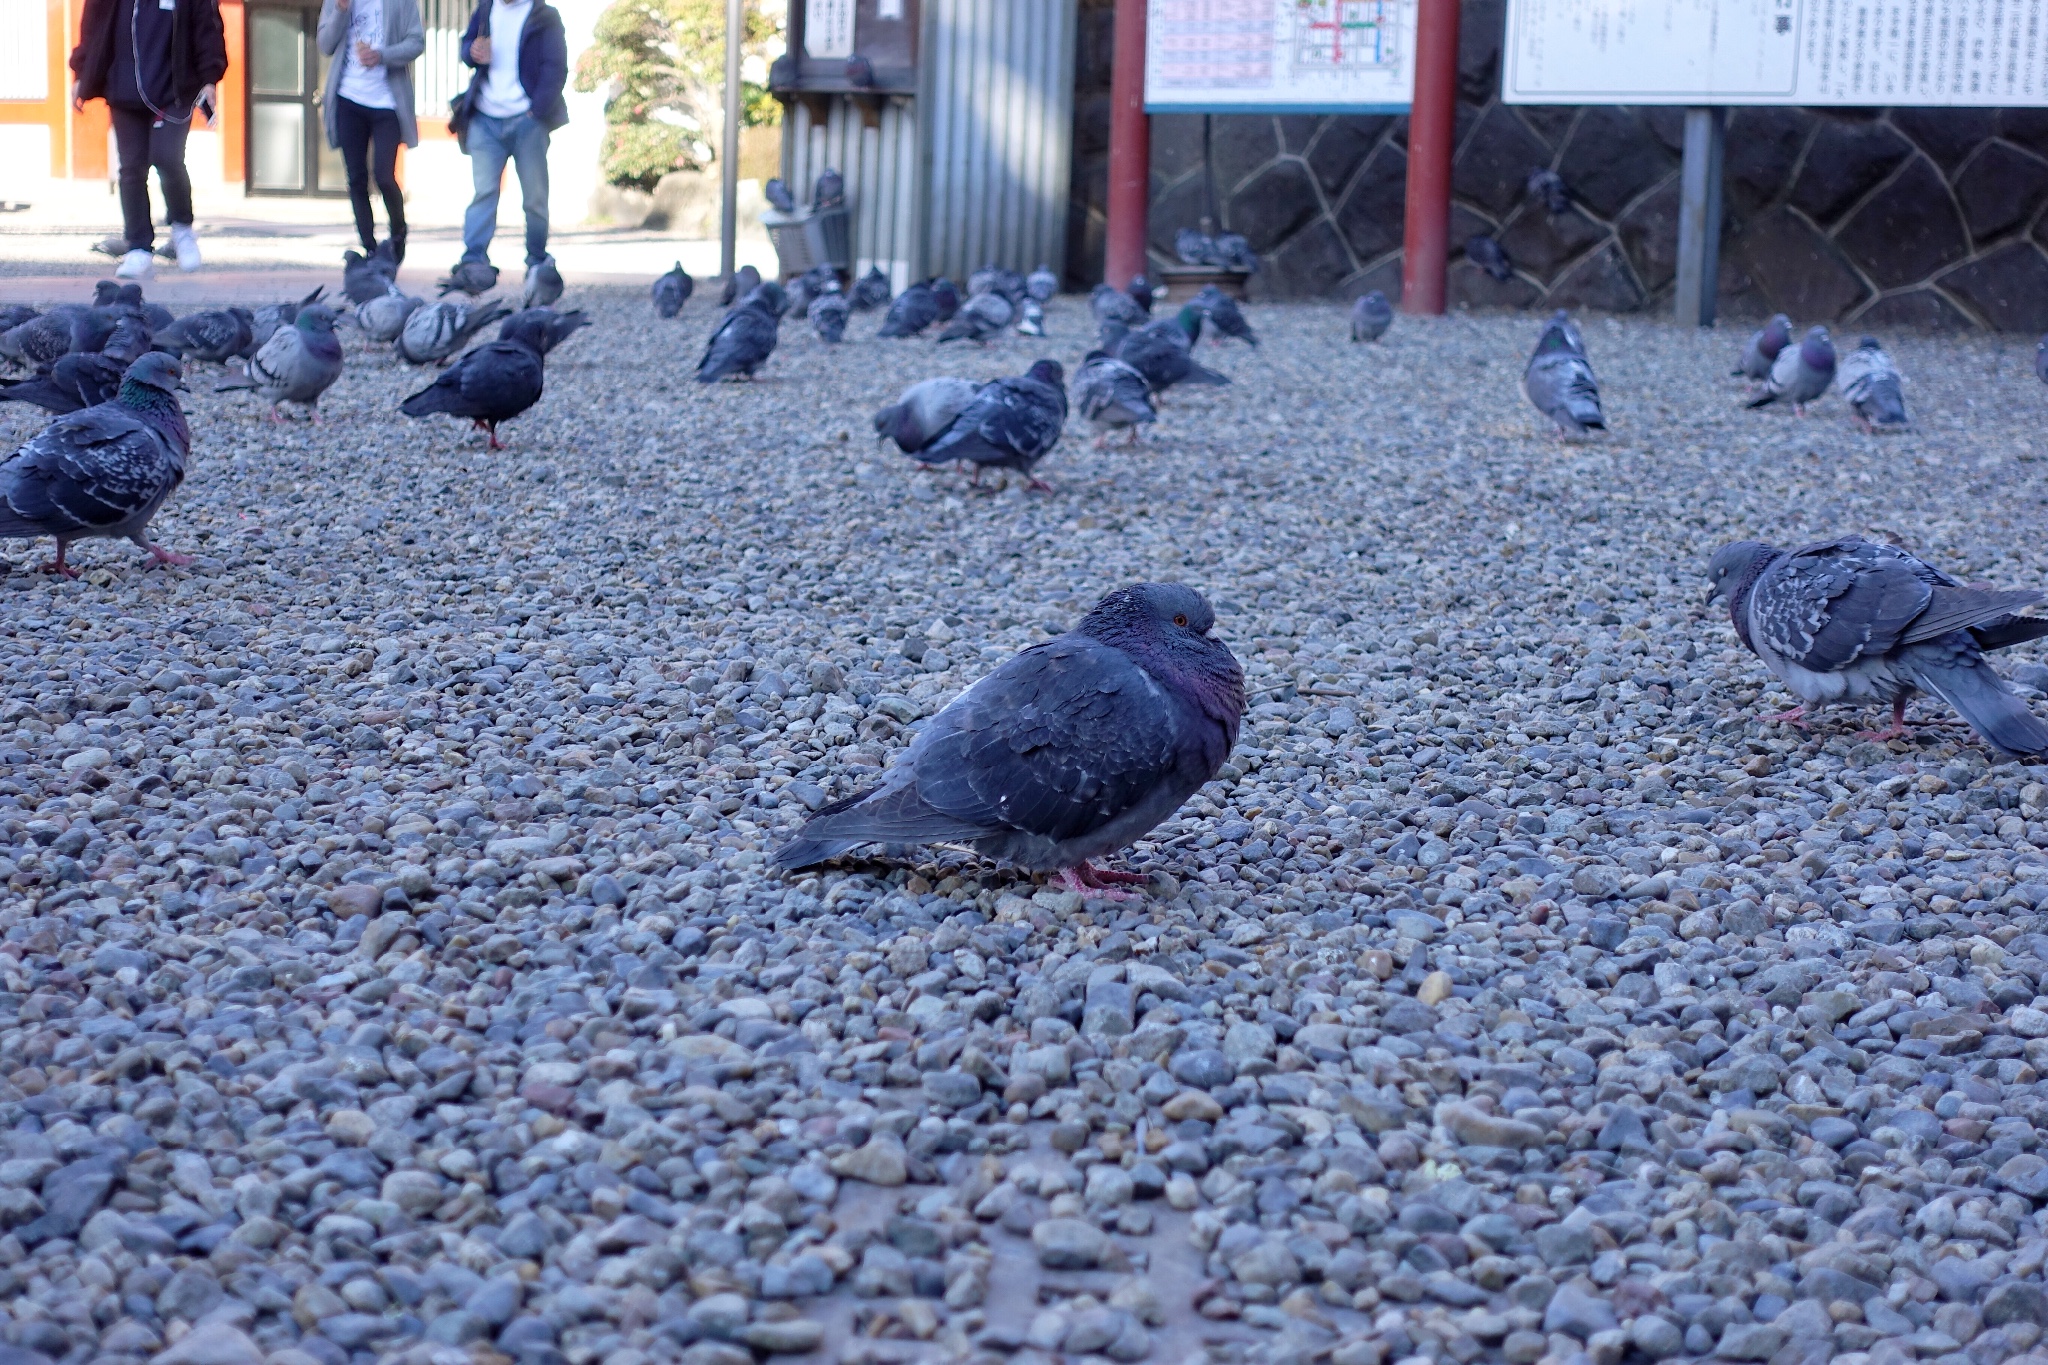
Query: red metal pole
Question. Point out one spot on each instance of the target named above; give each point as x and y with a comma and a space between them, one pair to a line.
1432, 123
1130, 149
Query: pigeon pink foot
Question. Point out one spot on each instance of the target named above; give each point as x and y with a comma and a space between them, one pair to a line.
1796, 716
1896, 730
1093, 883
159, 555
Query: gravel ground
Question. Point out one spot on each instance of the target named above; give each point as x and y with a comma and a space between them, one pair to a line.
390, 973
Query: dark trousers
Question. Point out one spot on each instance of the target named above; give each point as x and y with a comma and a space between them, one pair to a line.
138, 145
361, 130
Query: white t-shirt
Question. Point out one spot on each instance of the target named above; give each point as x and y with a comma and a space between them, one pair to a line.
502, 95
365, 85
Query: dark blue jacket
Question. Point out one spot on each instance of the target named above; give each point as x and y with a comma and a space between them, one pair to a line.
543, 59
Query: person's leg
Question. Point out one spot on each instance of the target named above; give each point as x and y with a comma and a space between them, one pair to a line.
167, 154
530, 155
385, 165
487, 155
131, 150
352, 132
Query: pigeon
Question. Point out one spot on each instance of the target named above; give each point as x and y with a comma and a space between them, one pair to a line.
2041, 360
1010, 424
216, 335
1851, 620
84, 379
1113, 305
39, 342
1195, 248
384, 317
985, 280
1559, 379
543, 328
1371, 315
1871, 384
744, 341
819, 279
828, 313
672, 291
1031, 320
1546, 187
474, 278
1140, 290
738, 285
1068, 752
1222, 310
947, 296
1162, 352
914, 310
297, 364
1800, 374
981, 317
1111, 394
543, 284
767, 295
1233, 252
1041, 284
128, 300
870, 291
1486, 253
829, 191
14, 314
103, 470
365, 277
439, 329
495, 382
924, 411
266, 320
778, 196
1763, 348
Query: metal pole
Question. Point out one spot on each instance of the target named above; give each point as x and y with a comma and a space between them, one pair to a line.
1699, 217
1130, 148
1432, 125
729, 151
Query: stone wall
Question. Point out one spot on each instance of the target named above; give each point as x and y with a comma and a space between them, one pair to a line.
1899, 217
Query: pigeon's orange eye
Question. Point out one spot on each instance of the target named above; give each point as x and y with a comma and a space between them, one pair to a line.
1180, 620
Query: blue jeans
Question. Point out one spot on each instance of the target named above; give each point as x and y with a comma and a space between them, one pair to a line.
492, 142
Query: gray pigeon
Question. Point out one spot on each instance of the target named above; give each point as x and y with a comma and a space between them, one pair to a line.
738, 285
14, 314
297, 364
104, 470
384, 317
1068, 752
870, 291
365, 277
84, 379
267, 319
924, 411
1371, 315
1111, 394
1223, 312
1762, 348
216, 335
439, 329
1854, 621
913, 310
945, 296
828, 313
1031, 319
745, 340
1546, 187
1800, 374
981, 317
1233, 252
1487, 254
2041, 360
1559, 379
1110, 304
38, 342
1041, 284
1871, 383
543, 284
1195, 248
672, 291
473, 278
1011, 424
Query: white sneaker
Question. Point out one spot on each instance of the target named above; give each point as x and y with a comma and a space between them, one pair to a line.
186, 243
136, 265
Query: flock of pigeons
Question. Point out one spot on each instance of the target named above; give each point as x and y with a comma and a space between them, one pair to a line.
1078, 746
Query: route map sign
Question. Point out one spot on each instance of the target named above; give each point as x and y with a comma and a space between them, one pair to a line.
1811, 52
1280, 56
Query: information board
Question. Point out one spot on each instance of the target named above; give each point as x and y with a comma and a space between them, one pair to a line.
1813, 52
1280, 56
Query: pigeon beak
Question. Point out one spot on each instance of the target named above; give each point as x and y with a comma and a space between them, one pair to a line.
1713, 591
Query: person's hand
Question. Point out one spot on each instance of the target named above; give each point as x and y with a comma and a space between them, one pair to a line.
480, 50
368, 56
341, 5
77, 104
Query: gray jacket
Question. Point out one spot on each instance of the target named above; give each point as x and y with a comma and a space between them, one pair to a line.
405, 38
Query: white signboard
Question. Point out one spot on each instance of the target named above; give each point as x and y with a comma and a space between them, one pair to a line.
1280, 56
1815, 52
828, 28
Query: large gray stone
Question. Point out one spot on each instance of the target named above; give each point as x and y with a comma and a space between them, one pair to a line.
1907, 231
1575, 1312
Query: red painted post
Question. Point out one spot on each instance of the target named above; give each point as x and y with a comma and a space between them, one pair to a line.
1432, 124
1130, 149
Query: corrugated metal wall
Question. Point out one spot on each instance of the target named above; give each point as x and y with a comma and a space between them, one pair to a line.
24, 50
439, 75
879, 161
997, 85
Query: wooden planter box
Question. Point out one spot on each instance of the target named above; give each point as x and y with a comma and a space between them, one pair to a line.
1183, 282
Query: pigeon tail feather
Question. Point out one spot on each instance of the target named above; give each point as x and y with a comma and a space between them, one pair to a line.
878, 815
1980, 696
